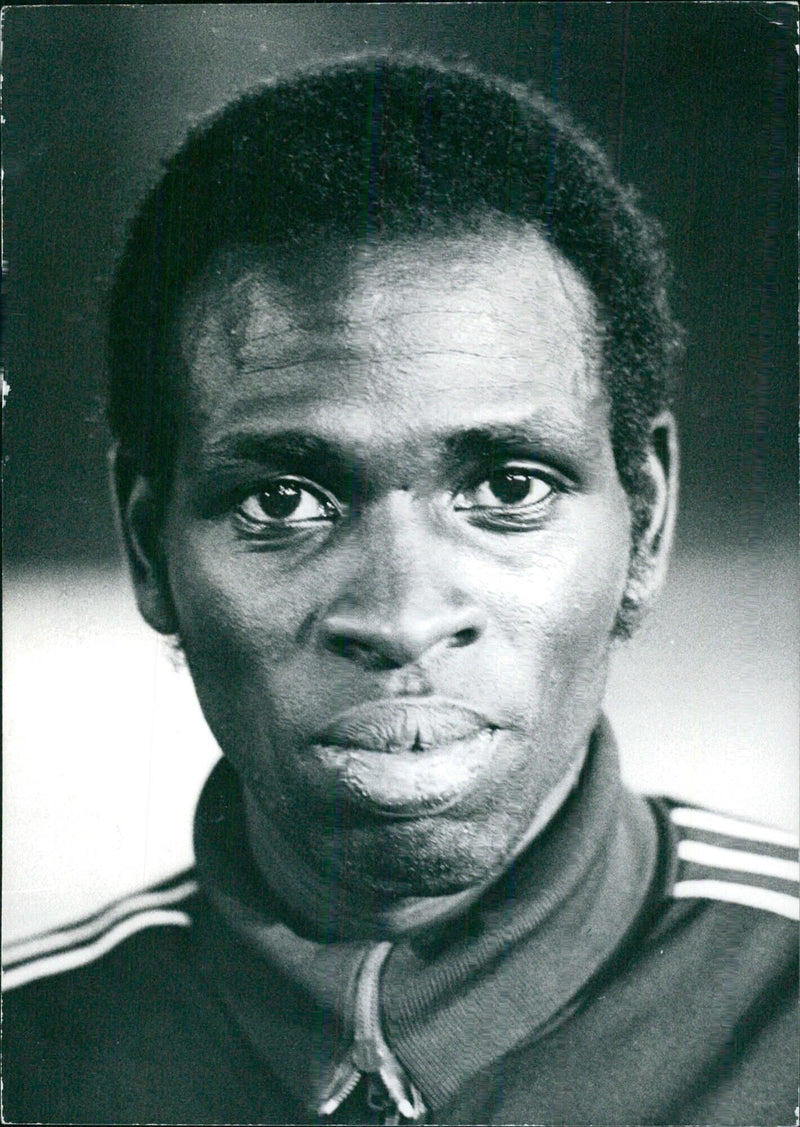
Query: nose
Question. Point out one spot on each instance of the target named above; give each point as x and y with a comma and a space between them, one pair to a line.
402, 601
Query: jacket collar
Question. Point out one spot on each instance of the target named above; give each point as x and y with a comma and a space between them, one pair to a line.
456, 996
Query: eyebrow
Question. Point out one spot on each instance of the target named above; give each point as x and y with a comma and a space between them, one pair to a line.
558, 436
284, 450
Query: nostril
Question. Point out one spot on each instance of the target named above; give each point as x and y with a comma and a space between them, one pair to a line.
364, 654
464, 637
386, 642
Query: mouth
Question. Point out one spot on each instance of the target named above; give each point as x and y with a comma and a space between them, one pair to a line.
398, 726
401, 758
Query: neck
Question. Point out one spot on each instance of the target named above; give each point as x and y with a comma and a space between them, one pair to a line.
356, 915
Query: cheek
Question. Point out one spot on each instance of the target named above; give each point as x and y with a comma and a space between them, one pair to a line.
238, 612
558, 604
569, 588
239, 621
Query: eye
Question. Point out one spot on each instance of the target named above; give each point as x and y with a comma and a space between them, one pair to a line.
286, 501
511, 487
510, 494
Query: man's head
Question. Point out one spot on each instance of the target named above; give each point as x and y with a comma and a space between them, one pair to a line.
390, 357
368, 150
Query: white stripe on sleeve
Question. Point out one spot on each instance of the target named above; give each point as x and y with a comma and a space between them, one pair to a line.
739, 860
75, 957
76, 934
747, 894
731, 827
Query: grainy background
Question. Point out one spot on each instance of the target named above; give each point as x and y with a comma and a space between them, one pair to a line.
696, 103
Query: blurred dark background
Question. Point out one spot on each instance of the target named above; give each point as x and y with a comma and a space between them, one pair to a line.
696, 103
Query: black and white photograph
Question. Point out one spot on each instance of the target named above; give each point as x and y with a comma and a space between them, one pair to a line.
401, 670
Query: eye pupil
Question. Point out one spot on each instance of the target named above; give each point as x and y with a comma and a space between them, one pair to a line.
280, 499
510, 487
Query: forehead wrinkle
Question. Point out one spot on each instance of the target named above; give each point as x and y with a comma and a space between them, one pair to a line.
490, 320
293, 331
257, 365
262, 325
548, 272
257, 334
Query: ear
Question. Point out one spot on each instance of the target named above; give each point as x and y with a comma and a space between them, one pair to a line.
138, 521
651, 553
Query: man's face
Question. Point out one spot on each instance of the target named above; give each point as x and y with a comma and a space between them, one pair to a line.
396, 545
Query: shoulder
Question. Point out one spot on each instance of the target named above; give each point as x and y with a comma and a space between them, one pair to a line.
720, 859
725, 910
104, 1020
152, 915
723, 951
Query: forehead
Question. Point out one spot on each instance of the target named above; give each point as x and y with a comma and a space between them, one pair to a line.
425, 332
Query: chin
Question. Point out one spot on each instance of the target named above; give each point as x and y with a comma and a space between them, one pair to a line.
426, 857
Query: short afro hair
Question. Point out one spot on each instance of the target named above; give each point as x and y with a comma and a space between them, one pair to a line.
373, 147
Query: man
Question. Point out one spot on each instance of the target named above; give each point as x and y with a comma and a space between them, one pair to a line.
390, 371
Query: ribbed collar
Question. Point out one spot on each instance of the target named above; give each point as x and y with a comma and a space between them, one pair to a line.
456, 996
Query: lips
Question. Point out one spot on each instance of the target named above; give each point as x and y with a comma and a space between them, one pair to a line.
398, 726
401, 758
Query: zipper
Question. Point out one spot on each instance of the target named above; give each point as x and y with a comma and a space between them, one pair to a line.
370, 1056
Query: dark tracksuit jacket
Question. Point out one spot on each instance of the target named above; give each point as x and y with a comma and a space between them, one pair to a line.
636, 965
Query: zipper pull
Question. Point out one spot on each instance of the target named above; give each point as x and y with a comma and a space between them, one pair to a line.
371, 1057
371, 1054
380, 1102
